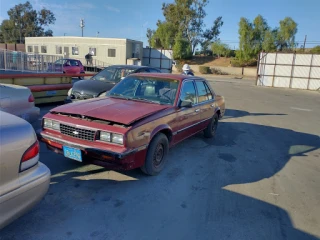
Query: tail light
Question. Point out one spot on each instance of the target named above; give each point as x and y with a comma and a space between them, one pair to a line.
30, 157
31, 98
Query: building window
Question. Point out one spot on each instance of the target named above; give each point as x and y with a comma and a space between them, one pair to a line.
92, 51
75, 51
36, 49
111, 53
43, 49
30, 49
58, 50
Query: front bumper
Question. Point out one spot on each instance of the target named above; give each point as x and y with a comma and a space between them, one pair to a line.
127, 160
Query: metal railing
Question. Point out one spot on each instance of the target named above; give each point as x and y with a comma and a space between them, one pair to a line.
25, 62
93, 63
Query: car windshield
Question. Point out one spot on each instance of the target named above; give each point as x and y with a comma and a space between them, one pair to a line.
60, 62
146, 89
112, 74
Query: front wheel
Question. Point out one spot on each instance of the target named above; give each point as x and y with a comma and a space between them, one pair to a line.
211, 129
156, 155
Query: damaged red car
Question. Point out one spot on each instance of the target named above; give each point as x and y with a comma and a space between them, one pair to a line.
136, 123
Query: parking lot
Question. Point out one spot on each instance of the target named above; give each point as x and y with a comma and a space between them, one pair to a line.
258, 179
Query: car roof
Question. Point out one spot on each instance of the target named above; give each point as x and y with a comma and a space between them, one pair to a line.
69, 59
130, 66
178, 77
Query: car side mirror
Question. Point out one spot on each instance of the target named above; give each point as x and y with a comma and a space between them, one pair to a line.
186, 104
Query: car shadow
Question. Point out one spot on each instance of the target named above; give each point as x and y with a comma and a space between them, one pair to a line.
190, 199
233, 113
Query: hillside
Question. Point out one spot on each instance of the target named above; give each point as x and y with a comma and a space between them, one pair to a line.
208, 61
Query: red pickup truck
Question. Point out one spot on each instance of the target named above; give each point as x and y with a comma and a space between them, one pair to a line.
136, 123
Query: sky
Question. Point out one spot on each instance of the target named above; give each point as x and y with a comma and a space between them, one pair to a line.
130, 19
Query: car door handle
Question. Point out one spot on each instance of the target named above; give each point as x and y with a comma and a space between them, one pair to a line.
197, 110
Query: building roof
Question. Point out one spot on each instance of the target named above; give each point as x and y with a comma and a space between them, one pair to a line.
77, 37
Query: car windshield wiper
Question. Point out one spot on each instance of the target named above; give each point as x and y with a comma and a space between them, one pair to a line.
144, 100
118, 95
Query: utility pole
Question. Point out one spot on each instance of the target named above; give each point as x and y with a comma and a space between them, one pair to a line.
304, 44
82, 25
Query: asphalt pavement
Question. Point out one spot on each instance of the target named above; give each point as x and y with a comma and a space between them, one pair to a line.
258, 179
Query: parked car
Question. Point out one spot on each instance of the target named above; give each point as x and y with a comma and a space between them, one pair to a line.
103, 81
69, 66
19, 101
134, 126
23, 179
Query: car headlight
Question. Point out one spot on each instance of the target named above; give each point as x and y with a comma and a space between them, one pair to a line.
69, 92
105, 136
111, 137
47, 123
55, 125
117, 138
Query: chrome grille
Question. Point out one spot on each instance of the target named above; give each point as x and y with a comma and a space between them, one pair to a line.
81, 96
79, 133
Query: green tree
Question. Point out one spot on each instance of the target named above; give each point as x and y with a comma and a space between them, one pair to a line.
315, 50
150, 34
221, 49
211, 34
246, 37
181, 48
269, 42
260, 28
286, 34
185, 16
164, 36
24, 21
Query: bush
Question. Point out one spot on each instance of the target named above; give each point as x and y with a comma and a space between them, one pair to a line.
204, 69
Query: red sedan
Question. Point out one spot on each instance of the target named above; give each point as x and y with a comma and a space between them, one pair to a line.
136, 123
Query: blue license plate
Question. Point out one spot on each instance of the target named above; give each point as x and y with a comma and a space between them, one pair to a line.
72, 153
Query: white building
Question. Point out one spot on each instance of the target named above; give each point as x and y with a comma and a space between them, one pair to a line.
103, 50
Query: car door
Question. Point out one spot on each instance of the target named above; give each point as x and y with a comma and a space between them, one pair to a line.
205, 102
75, 66
67, 68
187, 118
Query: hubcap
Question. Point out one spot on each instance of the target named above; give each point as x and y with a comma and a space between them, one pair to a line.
158, 155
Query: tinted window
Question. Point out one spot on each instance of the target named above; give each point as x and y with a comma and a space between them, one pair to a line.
146, 89
188, 92
203, 92
153, 70
112, 74
74, 63
142, 70
210, 95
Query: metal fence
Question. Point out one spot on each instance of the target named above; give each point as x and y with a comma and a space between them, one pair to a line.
24, 62
289, 70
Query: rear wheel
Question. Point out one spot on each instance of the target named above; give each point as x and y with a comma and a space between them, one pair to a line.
211, 129
156, 155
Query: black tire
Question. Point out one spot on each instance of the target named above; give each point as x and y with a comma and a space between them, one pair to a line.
211, 129
156, 155
81, 78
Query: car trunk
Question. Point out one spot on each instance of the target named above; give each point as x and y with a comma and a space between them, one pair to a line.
14, 99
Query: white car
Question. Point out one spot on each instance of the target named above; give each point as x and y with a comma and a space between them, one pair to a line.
23, 179
18, 100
